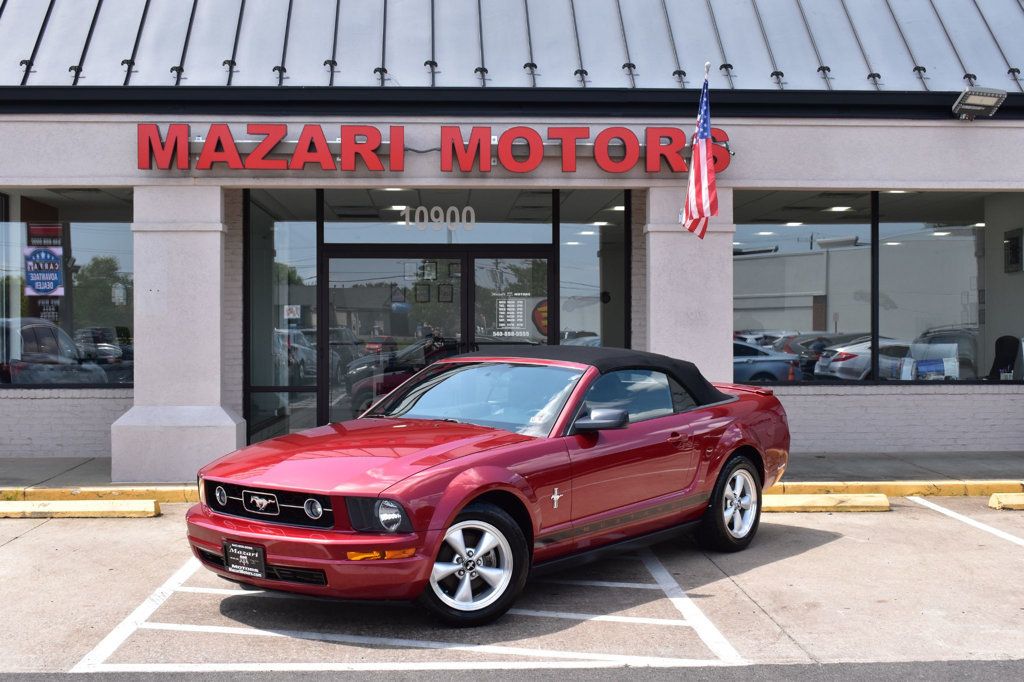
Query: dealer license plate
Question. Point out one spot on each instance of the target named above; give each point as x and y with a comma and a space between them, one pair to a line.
246, 560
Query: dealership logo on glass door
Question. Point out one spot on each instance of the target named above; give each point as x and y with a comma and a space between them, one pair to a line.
361, 148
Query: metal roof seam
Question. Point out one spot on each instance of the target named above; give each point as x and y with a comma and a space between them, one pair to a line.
918, 68
180, 68
679, 73
873, 75
27, 63
77, 68
233, 61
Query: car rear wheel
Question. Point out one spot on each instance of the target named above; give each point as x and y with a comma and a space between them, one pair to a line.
480, 568
732, 519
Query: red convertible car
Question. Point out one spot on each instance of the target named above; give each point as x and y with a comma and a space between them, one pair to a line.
485, 467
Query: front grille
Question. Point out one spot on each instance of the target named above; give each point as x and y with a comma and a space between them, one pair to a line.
288, 509
304, 576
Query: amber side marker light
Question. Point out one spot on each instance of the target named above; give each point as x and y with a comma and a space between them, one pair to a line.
381, 554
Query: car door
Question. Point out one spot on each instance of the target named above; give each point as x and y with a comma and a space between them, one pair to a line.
625, 479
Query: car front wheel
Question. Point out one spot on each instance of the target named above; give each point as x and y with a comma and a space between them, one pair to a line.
731, 520
480, 568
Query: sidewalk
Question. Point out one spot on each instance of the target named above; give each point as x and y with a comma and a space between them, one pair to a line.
71, 472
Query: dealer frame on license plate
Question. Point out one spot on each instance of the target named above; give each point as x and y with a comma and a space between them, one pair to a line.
247, 560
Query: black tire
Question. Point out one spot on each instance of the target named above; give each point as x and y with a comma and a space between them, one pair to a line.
713, 533
519, 554
763, 376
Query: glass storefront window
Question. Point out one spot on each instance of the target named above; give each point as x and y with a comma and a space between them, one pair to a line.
282, 291
511, 301
592, 268
950, 300
801, 286
278, 414
66, 289
437, 216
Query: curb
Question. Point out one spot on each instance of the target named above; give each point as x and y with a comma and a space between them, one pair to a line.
871, 502
945, 488
1007, 501
80, 509
166, 494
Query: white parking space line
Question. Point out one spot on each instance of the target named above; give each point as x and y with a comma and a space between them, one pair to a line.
365, 640
125, 628
704, 628
385, 666
566, 615
570, 615
968, 520
602, 583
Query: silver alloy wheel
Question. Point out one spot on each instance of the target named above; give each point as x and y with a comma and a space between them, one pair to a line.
739, 503
473, 567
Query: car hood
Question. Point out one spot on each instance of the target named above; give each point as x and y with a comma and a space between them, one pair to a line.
361, 456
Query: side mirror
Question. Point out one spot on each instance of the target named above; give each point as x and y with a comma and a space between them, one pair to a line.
602, 419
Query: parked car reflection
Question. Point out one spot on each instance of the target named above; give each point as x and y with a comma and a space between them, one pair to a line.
851, 361
374, 375
111, 348
809, 347
36, 351
752, 363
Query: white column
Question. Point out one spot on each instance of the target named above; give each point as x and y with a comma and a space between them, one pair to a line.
689, 284
179, 421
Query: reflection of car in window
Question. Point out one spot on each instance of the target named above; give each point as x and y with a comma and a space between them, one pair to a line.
851, 361
36, 351
753, 363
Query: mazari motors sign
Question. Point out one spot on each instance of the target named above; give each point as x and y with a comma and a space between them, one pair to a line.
519, 149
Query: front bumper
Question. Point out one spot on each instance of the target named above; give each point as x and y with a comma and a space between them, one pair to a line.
313, 561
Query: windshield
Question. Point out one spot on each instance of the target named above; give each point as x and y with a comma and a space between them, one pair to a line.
524, 399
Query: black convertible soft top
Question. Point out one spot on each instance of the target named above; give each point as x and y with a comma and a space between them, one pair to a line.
611, 359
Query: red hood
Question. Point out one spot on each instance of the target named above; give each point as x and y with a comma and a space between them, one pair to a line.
362, 456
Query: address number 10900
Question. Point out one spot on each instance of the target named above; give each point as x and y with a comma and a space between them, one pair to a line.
439, 218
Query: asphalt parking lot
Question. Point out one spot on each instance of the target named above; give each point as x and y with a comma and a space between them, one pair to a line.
936, 579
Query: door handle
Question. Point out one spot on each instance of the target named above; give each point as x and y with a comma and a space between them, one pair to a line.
677, 438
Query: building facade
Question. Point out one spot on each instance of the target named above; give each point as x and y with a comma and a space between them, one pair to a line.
271, 213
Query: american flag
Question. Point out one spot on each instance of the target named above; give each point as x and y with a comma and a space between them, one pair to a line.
701, 194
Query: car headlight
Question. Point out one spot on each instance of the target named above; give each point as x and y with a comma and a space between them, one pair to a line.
202, 493
372, 515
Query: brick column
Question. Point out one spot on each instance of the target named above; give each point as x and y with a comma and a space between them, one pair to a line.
689, 284
179, 420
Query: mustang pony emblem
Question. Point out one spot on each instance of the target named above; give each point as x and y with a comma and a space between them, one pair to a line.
260, 502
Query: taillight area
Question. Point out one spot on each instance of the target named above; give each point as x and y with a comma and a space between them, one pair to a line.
792, 371
843, 357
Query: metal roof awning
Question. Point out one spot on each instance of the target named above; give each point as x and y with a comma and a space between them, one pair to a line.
754, 45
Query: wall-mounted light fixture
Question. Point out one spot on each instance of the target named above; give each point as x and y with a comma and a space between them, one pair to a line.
974, 102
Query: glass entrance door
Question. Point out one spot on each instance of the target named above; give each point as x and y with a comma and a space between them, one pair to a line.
388, 318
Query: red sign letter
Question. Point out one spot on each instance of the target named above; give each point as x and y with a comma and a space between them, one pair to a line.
219, 148
365, 149
176, 146
312, 148
719, 153
396, 154
672, 152
568, 138
478, 149
274, 133
535, 153
604, 160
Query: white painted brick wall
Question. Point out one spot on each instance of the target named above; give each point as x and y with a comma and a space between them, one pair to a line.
638, 275
231, 301
59, 422
945, 418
